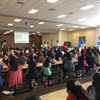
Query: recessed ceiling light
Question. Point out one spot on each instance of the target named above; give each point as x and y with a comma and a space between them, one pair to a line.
84, 19
31, 26
5, 32
87, 7
75, 26
52, 1
38, 32
33, 33
41, 23
61, 16
83, 27
10, 24
71, 29
33, 11
17, 20
63, 29
60, 25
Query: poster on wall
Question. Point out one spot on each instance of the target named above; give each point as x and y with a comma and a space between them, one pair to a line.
3, 44
82, 38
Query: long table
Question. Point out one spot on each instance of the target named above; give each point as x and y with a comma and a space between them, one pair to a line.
5, 68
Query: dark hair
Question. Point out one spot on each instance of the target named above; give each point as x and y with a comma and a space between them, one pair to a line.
31, 57
68, 56
90, 54
77, 91
21, 54
73, 51
47, 61
96, 84
5, 61
16, 53
33, 97
44, 53
95, 53
13, 64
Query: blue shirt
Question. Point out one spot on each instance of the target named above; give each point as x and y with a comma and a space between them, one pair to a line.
1, 81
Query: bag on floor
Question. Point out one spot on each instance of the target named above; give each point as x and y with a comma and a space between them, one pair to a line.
94, 67
85, 63
46, 84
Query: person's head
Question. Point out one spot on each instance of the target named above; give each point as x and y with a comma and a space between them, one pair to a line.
48, 48
68, 56
33, 97
13, 63
75, 89
73, 51
90, 54
5, 57
95, 53
47, 61
31, 58
64, 45
52, 57
82, 54
59, 50
21, 54
44, 53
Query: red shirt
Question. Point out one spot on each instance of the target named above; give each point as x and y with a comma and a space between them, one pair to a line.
71, 98
64, 47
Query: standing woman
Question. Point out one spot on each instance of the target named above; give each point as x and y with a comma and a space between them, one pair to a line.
33, 74
14, 72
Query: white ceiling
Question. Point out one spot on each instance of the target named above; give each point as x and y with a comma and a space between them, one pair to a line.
10, 10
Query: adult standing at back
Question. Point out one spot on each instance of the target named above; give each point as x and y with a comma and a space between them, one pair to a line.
21, 60
64, 47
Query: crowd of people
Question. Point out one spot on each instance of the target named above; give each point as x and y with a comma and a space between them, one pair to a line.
15, 57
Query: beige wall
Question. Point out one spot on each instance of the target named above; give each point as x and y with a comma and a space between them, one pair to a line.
90, 37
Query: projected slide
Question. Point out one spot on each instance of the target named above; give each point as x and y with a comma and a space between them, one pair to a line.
21, 37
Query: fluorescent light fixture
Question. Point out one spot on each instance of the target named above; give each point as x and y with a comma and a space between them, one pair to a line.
61, 16
52, 1
87, 7
75, 26
33, 11
71, 29
33, 33
5, 32
41, 23
60, 25
17, 20
38, 32
11, 31
83, 27
63, 29
31, 25
10, 24
84, 19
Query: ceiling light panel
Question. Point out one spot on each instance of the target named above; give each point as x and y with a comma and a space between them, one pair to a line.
41, 23
75, 26
33, 33
87, 7
83, 27
10, 24
17, 20
61, 16
63, 29
71, 29
84, 19
33, 11
60, 25
52, 1
38, 32
31, 26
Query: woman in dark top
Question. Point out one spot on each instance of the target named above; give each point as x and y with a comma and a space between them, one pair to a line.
94, 89
59, 55
33, 74
80, 64
90, 61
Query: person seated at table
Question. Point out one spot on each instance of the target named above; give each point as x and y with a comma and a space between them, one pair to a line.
47, 69
53, 59
59, 55
80, 64
90, 61
33, 74
14, 72
94, 89
74, 55
1, 81
4, 61
75, 91
64, 47
96, 58
78, 53
49, 52
44, 55
16, 55
21, 60
68, 64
